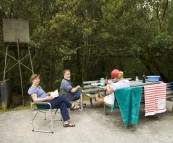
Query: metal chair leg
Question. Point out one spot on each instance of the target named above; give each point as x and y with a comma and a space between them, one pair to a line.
81, 101
52, 116
51, 119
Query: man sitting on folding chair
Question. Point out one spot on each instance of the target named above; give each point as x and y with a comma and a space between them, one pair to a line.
39, 95
68, 87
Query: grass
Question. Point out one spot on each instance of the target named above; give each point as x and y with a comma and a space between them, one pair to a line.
17, 102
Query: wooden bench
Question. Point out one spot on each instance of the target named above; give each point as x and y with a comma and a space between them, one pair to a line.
169, 90
88, 88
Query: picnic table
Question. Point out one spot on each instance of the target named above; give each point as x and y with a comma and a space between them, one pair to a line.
139, 83
93, 86
132, 84
88, 87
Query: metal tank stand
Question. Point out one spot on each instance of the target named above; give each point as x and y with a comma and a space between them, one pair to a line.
18, 61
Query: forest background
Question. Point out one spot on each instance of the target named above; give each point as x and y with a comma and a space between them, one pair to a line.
91, 38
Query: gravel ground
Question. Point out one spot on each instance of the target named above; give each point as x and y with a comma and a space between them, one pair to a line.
91, 127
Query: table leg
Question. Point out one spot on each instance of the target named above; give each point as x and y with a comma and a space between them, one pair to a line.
91, 102
105, 109
172, 112
104, 92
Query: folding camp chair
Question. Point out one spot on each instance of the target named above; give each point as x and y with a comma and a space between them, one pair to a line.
79, 91
51, 111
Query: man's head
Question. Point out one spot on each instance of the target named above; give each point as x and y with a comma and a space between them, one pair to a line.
67, 74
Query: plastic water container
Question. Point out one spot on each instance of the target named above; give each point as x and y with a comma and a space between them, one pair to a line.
102, 82
137, 78
153, 78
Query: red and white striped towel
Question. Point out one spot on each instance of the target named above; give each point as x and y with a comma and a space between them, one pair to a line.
155, 99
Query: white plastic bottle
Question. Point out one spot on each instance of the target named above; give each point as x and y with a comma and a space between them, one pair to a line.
137, 79
102, 82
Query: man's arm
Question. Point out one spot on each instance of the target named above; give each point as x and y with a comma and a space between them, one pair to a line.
74, 89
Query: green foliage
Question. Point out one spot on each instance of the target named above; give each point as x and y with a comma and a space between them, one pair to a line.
91, 38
